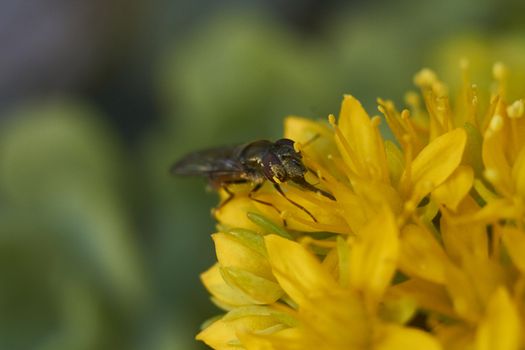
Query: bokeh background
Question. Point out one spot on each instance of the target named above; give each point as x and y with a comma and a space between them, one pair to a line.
100, 248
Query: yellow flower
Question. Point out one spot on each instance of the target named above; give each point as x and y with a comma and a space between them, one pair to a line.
422, 248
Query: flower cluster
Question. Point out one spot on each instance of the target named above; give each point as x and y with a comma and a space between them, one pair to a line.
422, 248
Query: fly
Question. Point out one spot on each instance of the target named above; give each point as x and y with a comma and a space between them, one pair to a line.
252, 163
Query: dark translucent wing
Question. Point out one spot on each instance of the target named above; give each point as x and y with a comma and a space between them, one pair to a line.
215, 161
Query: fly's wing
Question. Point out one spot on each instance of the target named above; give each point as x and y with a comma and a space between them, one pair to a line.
215, 162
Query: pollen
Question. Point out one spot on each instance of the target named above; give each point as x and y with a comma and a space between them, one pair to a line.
425, 78
331, 119
439, 89
491, 174
496, 123
412, 99
499, 71
516, 109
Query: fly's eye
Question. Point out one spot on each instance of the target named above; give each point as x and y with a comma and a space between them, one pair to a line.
284, 147
284, 142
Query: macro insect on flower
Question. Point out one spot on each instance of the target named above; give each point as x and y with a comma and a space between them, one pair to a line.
252, 163
422, 248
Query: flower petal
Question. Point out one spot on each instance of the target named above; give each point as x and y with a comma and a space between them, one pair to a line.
497, 167
395, 160
233, 214
463, 241
316, 138
286, 339
373, 257
231, 252
501, 328
364, 140
427, 295
298, 272
225, 294
222, 335
497, 209
435, 163
514, 240
326, 319
421, 255
398, 337
455, 188
261, 290
518, 173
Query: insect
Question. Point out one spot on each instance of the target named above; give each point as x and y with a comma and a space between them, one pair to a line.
253, 163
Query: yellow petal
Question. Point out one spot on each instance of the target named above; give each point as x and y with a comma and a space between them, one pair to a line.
299, 273
501, 327
464, 298
428, 295
455, 188
284, 316
514, 240
518, 173
376, 194
286, 339
398, 337
233, 214
373, 257
463, 241
304, 130
497, 209
222, 334
352, 203
368, 156
397, 309
421, 255
218, 335
343, 261
458, 336
497, 168
396, 164
261, 290
485, 276
327, 319
249, 239
435, 163
231, 252
225, 294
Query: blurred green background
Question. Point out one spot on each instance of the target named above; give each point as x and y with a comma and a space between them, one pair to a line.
100, 248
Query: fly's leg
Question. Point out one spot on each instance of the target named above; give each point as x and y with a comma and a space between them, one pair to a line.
306, 185
230, 194
229, 198
279, 189
251, 196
